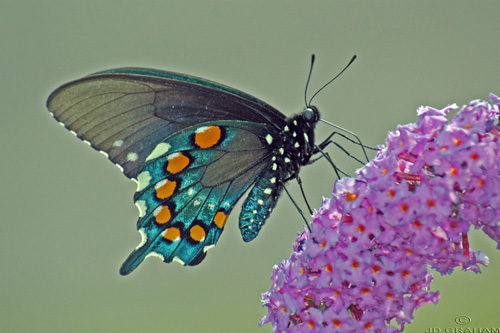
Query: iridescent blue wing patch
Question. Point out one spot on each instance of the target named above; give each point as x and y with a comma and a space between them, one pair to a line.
189, 184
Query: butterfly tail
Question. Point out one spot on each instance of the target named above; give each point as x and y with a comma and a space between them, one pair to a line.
135, 258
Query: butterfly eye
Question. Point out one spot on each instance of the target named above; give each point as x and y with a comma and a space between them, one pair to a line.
310, 114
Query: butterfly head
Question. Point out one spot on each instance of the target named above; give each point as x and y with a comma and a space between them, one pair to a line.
311, 114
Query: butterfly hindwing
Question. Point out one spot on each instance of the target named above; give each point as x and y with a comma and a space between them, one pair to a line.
189, 184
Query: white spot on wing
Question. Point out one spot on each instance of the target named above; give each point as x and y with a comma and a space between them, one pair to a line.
132, 157
178, 260
190, 192
143, 238
260, 202
273, 180
171, 156
157, 210
118, 143
306, 137
86, 141
297, 145
208, 247
104, 153
286, 129
196, 203
159, 150
154, 254
282, 151
160, 184
178, 238
201, 129
211, 206
119, 167
141, 206
287, 160
267, 191
269, 138
275, 166
143, 180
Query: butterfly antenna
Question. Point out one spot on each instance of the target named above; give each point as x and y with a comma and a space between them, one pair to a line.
313, 57
336, 76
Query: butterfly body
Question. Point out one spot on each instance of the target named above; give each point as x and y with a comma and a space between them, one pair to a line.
193, 146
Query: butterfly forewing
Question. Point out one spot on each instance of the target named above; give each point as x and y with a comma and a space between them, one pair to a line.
126, 115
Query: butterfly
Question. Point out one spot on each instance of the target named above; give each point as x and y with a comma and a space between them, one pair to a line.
193, 147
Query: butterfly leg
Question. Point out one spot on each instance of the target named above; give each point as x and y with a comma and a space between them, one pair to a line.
298, 209
325, 155
299, 181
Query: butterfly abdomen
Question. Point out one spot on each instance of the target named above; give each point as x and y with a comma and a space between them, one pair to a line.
259, 203
292, 150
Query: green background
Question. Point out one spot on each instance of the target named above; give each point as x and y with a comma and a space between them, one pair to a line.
67, 217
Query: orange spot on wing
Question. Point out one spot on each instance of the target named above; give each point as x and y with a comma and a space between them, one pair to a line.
164, 215
172, 234
207, 137
177, 163
166, 190
197, 233
220, 219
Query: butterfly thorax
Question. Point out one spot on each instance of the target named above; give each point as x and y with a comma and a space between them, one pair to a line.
297, 142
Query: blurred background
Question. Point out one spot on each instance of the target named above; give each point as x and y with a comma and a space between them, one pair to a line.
68, 220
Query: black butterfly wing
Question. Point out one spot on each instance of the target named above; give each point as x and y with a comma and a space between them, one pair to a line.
127, 112
188, 187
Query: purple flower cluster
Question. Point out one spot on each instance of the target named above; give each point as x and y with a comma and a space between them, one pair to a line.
364, 266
